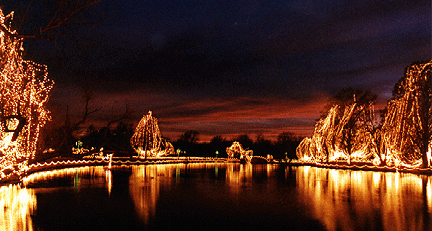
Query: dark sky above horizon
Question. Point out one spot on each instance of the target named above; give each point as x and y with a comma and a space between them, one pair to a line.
225, 67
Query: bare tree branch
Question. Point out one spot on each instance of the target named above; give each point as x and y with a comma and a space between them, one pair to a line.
88, 96
126, 114
65, 14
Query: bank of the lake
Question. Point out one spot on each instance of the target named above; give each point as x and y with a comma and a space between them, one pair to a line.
59, 163
217, 195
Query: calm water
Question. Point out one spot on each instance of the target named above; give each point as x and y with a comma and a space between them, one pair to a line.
217, 196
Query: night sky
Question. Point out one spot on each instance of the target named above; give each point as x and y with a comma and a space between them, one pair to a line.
228, 67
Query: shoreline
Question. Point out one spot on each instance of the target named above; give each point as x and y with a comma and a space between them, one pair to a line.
364, 167
118, 161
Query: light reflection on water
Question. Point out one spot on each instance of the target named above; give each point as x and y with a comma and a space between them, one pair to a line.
80, 177
144, 186
16, 206
146, 181
370, 200
338, 199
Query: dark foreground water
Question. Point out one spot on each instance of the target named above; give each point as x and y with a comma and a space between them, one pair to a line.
217, 197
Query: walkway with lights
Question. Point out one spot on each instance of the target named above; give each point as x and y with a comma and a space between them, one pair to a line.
124, 161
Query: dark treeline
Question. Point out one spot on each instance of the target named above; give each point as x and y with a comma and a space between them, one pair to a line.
284, 146
117, 140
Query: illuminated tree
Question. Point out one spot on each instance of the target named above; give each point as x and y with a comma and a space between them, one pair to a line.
48, 20
147, 139
345, 131
321, 146
352, 120
377, 144
408, 124
23, 98
353, 131
403, 138
236, 151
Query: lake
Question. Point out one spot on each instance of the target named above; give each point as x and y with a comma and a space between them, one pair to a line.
217, 196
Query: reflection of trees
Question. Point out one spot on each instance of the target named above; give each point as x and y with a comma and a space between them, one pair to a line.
242, 175
342, 198
144, 187
238, 176
16, 206
147, 181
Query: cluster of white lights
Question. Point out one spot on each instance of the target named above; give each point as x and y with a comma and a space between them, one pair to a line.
23, 98
147, 139
236, 151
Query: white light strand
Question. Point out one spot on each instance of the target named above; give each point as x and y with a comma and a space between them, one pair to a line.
399, 142
23, 96
236, 151
147, 139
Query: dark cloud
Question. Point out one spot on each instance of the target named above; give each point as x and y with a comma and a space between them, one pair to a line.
227, 67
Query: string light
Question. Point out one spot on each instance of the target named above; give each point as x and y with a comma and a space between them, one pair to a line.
23, 98
399, 142
147, 139
408, 118
236, 150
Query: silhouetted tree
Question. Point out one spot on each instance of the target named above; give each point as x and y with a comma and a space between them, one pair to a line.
190, 136
66, 140
286, 142
117, 140
47, 19
92, 139
262, 146
188, 142
218, 143
245, 141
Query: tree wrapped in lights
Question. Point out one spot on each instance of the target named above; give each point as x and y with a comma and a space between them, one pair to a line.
236, 151
147, 139
353, 133
404, 137
408, 125
23, 98
344, 133
321, 146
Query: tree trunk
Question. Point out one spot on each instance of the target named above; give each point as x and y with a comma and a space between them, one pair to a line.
425, 117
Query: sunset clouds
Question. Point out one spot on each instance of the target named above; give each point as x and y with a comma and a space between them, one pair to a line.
210, 117
237, 67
